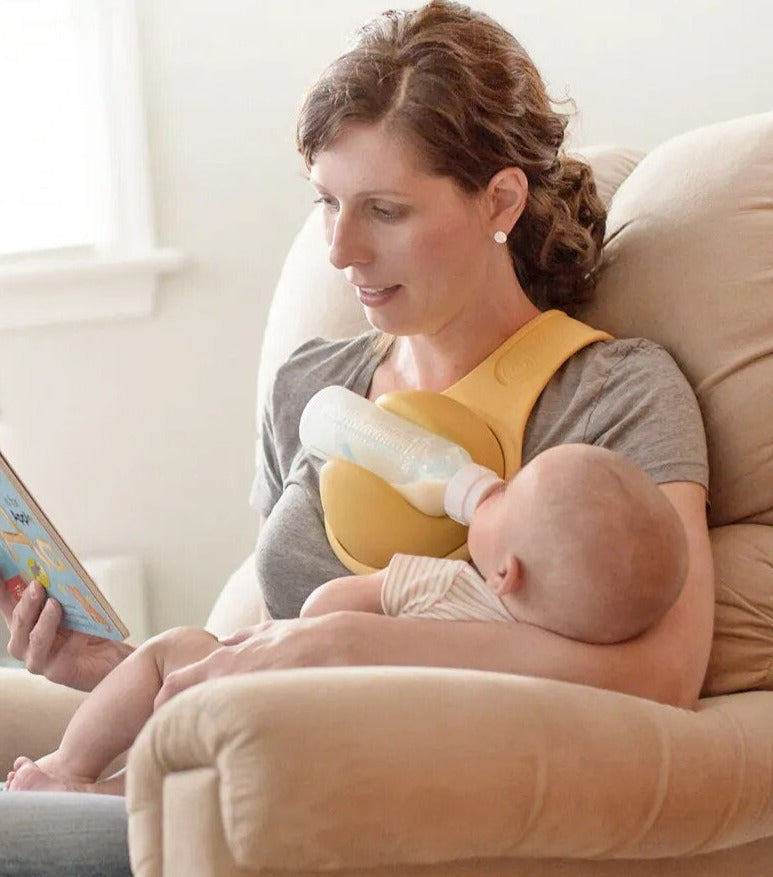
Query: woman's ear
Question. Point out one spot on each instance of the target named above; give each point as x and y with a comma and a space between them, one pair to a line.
508, 578
507, 193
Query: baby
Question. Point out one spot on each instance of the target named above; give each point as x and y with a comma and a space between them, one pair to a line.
580, 542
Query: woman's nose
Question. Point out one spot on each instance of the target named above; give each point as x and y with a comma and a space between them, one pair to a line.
346, 243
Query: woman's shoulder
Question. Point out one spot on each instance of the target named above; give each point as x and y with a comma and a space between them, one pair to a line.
318, 363
625, 372
630, 353
647, 408
620, 367
327, 361
624, 367
629, 395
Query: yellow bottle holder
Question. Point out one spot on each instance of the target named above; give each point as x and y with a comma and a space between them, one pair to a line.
367, 520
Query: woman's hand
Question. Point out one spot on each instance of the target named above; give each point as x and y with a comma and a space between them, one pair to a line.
271, 645
61, 655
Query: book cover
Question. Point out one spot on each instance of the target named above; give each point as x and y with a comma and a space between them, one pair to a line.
31, 548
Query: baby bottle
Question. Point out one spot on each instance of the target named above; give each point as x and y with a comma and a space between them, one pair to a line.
435, 475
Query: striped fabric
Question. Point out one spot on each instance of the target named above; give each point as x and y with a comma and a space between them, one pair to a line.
430, 587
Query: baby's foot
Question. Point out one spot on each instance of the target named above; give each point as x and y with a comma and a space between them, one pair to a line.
29, 776
26, 776
12, 773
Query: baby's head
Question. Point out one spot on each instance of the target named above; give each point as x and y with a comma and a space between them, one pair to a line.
582, 542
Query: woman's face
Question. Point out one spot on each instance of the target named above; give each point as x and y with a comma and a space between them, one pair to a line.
416, 247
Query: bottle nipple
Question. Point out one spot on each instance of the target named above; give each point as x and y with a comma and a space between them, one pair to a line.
466, 489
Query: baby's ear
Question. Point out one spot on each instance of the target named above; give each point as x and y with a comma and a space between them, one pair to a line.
508, 578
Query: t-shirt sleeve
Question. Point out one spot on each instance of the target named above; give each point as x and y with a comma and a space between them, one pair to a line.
647, 411
269, 473
413, 584
315, 364
267, 486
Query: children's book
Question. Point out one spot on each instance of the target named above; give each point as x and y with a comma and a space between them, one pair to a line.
31, 548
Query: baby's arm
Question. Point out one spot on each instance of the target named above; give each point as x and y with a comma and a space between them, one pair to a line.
349, 593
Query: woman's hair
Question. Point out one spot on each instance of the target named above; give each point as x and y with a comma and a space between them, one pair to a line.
468, 94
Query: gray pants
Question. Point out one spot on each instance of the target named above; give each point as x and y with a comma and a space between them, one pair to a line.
56, 834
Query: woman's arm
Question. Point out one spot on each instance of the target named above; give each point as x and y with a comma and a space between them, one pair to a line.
667, 663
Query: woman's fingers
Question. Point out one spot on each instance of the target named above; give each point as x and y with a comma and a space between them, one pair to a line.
222, 662
238, 636
269, 645
25, 616
41, 637
179, 680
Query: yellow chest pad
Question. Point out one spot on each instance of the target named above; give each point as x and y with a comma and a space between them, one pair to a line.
367, 520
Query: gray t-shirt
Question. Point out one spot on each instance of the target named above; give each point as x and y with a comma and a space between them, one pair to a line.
625, 395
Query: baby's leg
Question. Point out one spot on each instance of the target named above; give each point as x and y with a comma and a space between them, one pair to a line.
109, 719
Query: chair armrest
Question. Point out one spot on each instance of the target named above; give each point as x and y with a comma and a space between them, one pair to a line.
323, 769
34, 715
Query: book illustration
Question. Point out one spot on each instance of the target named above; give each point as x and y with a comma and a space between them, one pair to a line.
37, 572
31, 549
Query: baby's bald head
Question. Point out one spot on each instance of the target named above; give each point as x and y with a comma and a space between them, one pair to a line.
602, 550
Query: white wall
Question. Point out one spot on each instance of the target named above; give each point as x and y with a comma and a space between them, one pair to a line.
137, 436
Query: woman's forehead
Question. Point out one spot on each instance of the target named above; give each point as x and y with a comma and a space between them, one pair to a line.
371, 152
365, 162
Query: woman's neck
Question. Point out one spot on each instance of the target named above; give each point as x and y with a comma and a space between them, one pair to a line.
435, 362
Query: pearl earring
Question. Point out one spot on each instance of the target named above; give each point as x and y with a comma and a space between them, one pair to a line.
500, 237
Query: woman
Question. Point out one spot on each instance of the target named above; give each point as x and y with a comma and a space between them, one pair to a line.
435, 154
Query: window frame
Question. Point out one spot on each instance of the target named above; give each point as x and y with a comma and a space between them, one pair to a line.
84, 284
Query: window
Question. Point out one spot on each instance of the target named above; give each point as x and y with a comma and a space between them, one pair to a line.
76, 234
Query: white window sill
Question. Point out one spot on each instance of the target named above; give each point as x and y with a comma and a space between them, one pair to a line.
79, 290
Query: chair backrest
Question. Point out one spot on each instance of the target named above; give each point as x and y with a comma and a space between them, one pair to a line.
689, 264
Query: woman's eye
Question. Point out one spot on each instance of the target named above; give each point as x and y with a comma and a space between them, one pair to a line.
328, 202
386, 213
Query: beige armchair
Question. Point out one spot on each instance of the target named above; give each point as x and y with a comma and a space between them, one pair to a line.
387, 771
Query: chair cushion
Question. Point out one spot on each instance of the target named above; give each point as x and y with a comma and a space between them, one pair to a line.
689, 264
611, 166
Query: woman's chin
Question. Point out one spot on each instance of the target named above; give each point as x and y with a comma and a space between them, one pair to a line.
381, 322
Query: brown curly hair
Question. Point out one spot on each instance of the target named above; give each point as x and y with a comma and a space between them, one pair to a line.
471, 97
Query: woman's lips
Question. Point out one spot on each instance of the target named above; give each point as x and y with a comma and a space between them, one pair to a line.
374, 296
